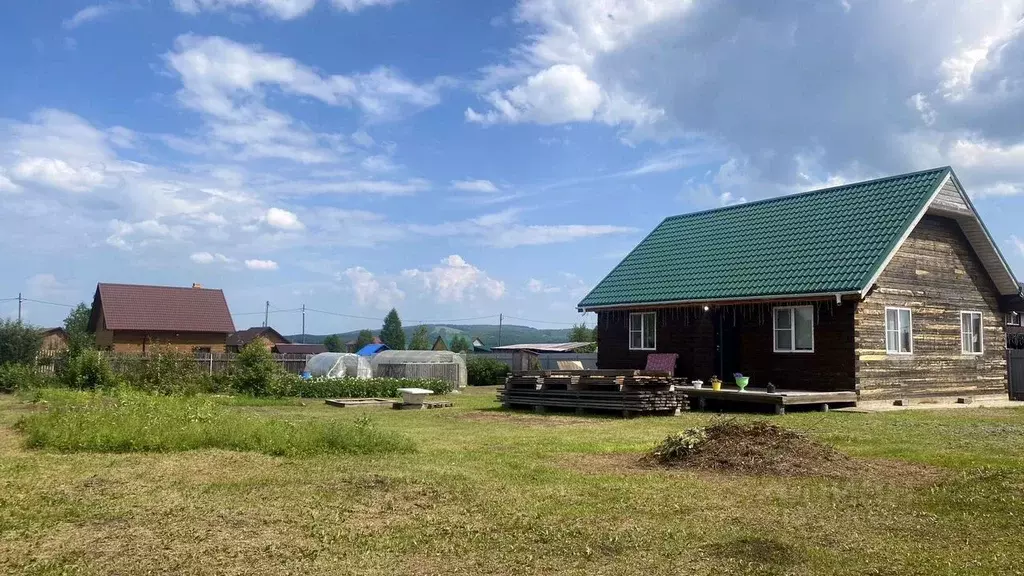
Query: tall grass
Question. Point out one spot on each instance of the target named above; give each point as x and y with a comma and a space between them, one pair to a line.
127, 421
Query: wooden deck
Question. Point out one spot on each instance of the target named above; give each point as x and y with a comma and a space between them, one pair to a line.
779, 399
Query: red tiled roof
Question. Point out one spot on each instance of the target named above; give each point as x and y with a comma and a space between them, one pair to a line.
161, 309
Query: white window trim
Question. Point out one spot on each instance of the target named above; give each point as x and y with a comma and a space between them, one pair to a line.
642, 333
1014, 319
981, 335
898, 353
792, 316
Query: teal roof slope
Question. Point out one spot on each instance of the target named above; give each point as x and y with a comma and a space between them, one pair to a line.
824, 241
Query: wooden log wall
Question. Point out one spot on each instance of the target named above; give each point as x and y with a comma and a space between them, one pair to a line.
937, 275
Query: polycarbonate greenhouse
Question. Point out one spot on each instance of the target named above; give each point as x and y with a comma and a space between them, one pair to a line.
339, 365
439, 364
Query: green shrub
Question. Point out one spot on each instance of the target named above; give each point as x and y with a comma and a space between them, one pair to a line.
363, 388
486, 371
19, 342
130, 421
15, 377
680, 445
89, 370
164, 370
255, 371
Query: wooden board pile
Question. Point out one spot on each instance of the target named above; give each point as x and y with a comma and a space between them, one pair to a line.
629, 392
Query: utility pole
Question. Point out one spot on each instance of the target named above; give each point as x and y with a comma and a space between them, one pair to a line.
303, 323
501, 318
19, 306
266, 315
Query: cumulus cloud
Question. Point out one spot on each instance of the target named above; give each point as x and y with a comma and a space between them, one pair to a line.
371, 291
485, 186
796, 93
282, 9
283, 220
261, 265
59, 174
209, 258
227, 82
455, 280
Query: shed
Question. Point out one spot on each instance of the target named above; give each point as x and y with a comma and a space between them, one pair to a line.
439, 364
371, 349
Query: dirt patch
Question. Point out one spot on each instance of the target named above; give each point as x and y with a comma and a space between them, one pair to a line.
758, 447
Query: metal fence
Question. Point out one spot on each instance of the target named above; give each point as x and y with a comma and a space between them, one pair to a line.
548, 360
1015, 357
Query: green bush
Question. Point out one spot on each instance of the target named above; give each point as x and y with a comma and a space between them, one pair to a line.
680, 445
129, 421
486, 371
89, 370
15, 377
363, 388
255, 372
19, 343
165, 370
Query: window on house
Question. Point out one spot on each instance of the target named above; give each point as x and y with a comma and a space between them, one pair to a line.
970, 333
794, 329
899, 331
642, 331
1013, 319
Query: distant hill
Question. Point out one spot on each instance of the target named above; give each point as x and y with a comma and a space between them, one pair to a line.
487, 333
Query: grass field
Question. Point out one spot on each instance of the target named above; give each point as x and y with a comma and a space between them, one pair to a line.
488, 492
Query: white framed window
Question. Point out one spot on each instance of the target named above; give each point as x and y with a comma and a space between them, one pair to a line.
1013, 318
794, 328
643, 331
971, 335
899, 331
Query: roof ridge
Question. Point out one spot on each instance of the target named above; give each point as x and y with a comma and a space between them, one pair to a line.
805, 193
163, 287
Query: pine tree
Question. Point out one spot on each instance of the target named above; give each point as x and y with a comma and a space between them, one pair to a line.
420, 339
391, 333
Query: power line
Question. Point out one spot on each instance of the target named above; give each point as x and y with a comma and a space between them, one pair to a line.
47, 303
540, 321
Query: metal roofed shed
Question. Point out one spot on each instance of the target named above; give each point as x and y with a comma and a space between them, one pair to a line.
562, 347
371, 349
339, 365
437, 364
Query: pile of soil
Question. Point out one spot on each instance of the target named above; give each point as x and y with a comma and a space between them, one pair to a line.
760, 448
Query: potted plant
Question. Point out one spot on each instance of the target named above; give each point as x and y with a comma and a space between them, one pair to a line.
716, 383
698, 384
741, 381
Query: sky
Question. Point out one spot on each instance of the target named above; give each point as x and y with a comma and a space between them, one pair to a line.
459, 160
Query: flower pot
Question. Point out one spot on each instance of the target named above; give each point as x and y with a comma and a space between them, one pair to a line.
716, 385
698, 384
742, 381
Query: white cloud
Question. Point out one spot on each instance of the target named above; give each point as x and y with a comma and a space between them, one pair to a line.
262, 265
538, 287
91, 13
283, 220
504, 230
59, 174
370, 291
1019, 244
282, 9
474, 186
209, 258
6, 185
559, 94
456, 280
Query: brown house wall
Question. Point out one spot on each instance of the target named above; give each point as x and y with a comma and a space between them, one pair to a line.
937, 275
691, 333
137, 342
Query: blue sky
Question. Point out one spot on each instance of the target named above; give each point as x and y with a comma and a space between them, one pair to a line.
463, 159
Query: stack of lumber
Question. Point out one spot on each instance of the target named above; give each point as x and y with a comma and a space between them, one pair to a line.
630, 392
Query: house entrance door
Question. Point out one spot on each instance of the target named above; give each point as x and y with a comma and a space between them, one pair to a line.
727, 344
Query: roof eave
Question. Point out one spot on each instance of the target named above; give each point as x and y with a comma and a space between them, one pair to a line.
720, 301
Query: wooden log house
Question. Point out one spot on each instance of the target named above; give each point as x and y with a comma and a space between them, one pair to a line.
891, 288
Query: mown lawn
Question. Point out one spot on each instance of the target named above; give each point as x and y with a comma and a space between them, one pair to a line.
488, 492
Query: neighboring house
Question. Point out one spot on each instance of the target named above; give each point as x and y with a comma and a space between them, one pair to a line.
132, 318
55, 339
439, 345
239, 340
891, 287
1015, 313
307, 349
371, 349
350, 346
478, 346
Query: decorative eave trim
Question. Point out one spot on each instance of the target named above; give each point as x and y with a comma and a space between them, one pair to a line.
720, 301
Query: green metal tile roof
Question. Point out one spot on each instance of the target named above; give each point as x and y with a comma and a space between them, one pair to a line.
825, 241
